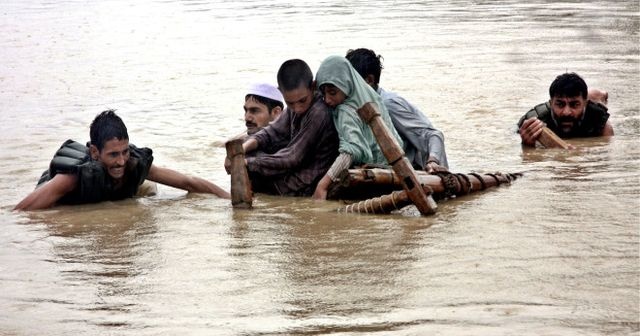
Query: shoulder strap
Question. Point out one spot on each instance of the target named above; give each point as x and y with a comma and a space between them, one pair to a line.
595, 119
540, 111
141, 158
67, 159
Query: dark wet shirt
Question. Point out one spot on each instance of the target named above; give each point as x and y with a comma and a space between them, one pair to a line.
308, 147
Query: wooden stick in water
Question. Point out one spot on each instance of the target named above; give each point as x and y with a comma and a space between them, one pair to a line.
395, 156
551, 140
241, 193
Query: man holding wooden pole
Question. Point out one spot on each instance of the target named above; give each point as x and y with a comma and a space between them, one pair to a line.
572, 111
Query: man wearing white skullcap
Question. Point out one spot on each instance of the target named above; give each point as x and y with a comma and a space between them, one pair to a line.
262, 104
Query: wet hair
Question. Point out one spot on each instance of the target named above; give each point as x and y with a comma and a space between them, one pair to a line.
293, 74
568, 85
106, 126
270, 103
366, 62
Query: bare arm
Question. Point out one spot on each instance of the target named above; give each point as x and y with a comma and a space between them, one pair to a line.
322, 188
189, 183
250, 145
49, 193
608, 129
342, 162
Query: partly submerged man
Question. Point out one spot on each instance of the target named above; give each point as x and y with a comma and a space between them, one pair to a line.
424, 144
109, 168
572, 111
303, 139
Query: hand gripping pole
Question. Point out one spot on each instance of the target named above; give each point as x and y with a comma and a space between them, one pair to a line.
241, 193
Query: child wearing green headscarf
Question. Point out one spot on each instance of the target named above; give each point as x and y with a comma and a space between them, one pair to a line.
345, 90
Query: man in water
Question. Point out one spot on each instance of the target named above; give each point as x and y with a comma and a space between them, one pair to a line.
262, 105
303, 138
424, 144
106, 169
572, 111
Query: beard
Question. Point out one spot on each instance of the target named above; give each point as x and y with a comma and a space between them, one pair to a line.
567, 125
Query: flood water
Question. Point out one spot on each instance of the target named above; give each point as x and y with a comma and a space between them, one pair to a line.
555, 253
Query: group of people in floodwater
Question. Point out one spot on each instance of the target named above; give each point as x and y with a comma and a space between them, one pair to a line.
300, 149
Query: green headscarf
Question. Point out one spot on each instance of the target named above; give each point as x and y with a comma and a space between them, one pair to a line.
356, 137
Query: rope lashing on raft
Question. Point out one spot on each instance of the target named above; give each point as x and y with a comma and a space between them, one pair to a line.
453, 183
483, 186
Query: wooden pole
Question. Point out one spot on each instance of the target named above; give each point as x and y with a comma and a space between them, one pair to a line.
380, 205
551, 140
241, 193
399, 163
380, 176
436, 182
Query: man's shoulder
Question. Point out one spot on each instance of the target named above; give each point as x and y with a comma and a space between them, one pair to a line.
398, 106
595, 119
540, 111
144, 152
597, 108
318, 107
389, 95
68, 157
390, 98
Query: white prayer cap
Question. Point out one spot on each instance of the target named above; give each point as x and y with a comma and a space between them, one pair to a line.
266, 90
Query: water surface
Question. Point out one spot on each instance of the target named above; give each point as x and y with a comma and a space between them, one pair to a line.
555, 253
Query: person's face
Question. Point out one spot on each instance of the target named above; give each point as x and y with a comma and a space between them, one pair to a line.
256, 115
332, 95
298, 100
568, 111
113, 156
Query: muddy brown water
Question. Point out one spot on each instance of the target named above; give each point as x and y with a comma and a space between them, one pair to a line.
555, 253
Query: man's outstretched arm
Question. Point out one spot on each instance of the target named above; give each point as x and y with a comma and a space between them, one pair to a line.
189, 183
49, 193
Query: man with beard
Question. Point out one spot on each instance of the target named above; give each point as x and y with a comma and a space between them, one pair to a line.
108, 168
573, 111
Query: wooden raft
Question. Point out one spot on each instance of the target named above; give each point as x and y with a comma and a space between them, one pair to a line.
443, 185
418, 187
